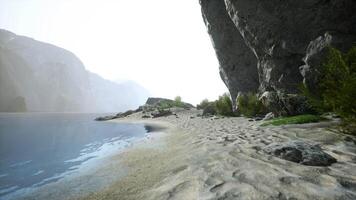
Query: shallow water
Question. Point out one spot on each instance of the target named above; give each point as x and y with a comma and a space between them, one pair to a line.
37, 149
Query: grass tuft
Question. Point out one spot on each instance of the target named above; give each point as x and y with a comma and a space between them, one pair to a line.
299, 119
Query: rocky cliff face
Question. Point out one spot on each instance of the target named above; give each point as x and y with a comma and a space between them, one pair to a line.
273, 46
35, 76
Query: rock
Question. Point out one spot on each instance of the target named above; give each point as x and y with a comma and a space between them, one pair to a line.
350, 139
229, 139
155, 102
281, 104
274, 46
300, 152
238, 64
118, 115
105, 118
125, 114
258, 118
161, 113
268, 116
146, 116
139, 109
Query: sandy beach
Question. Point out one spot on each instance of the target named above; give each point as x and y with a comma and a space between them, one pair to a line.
221, 158
187, 157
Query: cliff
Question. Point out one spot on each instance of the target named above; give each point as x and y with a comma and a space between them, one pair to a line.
36, 76
272, 47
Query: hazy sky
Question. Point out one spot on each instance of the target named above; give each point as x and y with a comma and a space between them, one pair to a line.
161, 44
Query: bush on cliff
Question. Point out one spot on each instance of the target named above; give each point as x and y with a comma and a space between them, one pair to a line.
167, 103
224, 105
250, 106
336, 90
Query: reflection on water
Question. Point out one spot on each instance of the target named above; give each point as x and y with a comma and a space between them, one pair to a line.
37, 149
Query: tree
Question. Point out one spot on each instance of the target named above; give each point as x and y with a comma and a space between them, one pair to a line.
336, 90
178, 101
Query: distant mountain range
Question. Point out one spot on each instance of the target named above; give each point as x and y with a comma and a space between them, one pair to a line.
40, 77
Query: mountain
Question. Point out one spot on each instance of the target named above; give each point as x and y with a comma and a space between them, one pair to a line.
36, 76
112, 96
272, 47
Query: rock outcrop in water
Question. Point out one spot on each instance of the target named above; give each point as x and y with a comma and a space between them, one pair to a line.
35, 76
273, 46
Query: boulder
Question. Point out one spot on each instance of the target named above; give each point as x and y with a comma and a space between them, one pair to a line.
105, 118
161, 113
300, 152
281, 104
268, 116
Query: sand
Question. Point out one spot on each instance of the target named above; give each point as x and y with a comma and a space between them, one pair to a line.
221, 158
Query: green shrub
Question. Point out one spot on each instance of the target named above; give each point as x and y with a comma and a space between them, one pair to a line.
210, 109
164, 105
178, 101
224, 105
203, 104
299, 119
249, 105
336, 90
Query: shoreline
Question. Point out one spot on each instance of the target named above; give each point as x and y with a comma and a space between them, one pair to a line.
150, 162
92, 176
221, 158
189, 157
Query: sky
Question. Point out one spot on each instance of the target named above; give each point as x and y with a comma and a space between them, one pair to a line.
161, 44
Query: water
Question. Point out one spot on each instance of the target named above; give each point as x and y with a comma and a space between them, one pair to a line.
36, 149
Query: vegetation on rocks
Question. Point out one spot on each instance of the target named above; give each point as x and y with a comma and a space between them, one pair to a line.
249, 105
178, 102
161, 103
222, 106
336, 89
